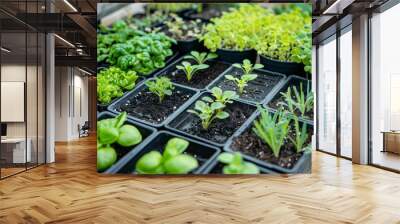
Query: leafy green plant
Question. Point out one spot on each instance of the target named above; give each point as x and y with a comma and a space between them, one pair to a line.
171, 7
235, 30
112, 82
242, 81
300, 101
180, 29
171, 161
208, 110
223, 97
190, 70
247, 67
301, 135
113, 131
161, 86
272, 129
304, 102
236, 165
286, 37
201, 58
126, 47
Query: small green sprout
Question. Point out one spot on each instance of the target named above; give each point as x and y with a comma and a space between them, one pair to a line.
190, 70
247, 67
236, 165
171, 161
301, 135
242, 81
200, 58
272, 130
224, 97
161, 86
208, 110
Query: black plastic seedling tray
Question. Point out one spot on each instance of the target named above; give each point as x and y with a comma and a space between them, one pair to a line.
115, 107
291, 81
235, 56
204, 153
257, 90
186, 122
303, 164
198, 81
103, 107
216, 168
287, 68
145, 130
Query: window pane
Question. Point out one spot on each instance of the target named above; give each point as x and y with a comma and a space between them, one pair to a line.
346, 94
327, 96
385, 84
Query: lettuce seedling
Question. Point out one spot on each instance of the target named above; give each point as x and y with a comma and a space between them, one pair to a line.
236, 165
242, 81
201, 58
247, 67
190, 70
110, 131
172, 161
208, 110
161, 86
301, 134
272, 130
223, 97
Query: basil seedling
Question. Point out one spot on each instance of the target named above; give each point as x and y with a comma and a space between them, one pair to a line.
111, 131
190, 70
161, 86
236, 165
172, 161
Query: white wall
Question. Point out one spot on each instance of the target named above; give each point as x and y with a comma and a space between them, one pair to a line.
70, 83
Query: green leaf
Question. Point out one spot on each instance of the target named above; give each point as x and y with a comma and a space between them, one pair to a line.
222, 115
174, 147
149, 163
181, 164
225, 158
106, 157
107, 135
129, 135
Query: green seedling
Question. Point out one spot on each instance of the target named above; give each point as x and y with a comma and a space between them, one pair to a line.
208, 110
288, 100
241, 82
272, 129
247, 67
114, 131
161, 86
303, 102
224, 97
236, 165
301, 135
190, 70
200, 58
171, 161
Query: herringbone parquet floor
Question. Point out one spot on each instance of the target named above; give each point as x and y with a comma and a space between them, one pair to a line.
70, 191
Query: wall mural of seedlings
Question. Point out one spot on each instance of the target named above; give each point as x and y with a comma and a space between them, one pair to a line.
202, 88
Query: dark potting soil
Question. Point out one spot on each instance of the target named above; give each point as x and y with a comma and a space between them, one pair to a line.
202, 78
146, 105
250, 144
220, 130
256, 90
276, 103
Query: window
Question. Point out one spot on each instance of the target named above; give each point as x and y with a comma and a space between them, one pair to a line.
327, 96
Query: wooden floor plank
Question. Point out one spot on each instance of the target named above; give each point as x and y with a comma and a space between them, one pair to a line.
71, 191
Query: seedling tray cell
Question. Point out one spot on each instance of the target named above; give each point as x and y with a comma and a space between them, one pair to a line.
145, 131
204, 153
257, 90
